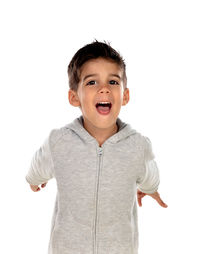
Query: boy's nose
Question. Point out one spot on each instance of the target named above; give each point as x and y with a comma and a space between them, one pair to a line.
104, 89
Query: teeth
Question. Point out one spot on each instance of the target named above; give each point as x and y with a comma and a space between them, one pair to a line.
104, 102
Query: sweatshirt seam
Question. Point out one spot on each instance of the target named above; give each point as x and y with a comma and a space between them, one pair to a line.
141, 145
143, 172
52, 146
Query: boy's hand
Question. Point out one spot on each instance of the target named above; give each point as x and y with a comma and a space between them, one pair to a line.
154, 195
36, 188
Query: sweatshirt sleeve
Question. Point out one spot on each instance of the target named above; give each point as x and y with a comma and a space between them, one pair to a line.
148, 180
41, 169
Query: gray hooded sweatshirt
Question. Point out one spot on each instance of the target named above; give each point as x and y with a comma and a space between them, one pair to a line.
95, 209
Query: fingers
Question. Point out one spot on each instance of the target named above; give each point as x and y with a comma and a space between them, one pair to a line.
161, 203
139, 201
36, 188
156, 196
43, 185
140, 195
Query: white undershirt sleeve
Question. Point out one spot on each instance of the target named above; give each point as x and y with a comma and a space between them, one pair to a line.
42, 168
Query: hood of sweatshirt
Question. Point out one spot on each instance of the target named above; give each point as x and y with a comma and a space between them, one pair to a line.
124, 131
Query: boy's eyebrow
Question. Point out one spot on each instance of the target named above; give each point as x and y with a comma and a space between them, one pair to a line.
116, 75
90, 75
95, 74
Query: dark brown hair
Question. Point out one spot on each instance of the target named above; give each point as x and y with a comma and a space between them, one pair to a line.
91, 51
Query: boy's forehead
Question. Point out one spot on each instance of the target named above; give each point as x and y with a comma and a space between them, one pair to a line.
95, 66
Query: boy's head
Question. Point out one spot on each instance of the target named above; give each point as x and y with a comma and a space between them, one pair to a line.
97, 73
93, 51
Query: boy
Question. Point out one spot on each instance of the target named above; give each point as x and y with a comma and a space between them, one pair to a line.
98, 162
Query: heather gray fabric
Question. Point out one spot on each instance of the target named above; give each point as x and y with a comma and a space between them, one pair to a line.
95, 209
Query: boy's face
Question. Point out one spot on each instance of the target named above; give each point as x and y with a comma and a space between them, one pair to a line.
100, 81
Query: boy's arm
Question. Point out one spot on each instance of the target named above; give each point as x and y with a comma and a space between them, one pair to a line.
149, 179
42, 167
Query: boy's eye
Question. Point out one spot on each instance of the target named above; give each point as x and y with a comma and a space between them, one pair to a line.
91, 82
114, 81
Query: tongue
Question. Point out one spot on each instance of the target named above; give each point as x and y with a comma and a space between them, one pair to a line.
103, 109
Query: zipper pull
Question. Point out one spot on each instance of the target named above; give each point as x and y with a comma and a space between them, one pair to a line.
100, 150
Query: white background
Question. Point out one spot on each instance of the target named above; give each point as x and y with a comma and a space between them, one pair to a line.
159, 41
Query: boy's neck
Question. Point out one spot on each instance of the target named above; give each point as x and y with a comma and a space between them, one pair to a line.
101, 135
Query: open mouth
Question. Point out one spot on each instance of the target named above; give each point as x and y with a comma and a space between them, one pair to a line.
103, 107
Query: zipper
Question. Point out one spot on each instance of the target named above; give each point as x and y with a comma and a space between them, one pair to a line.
99, 152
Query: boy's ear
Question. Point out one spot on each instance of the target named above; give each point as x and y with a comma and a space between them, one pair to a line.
125, 96
73, 98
